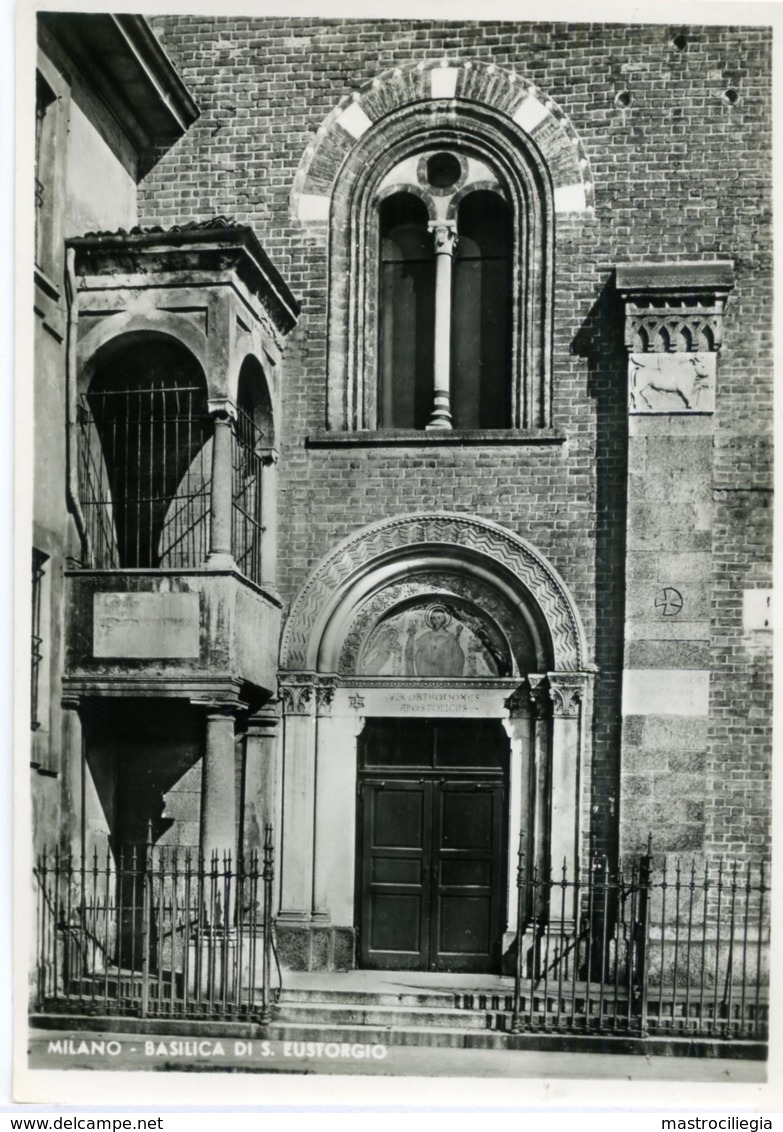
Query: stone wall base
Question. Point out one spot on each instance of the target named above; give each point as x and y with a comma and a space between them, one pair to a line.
316, 947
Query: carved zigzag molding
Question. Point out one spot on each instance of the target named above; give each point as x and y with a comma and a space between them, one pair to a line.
436, 529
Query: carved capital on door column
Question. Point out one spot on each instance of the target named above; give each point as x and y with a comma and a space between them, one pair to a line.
324, 694
296, 693
567, 691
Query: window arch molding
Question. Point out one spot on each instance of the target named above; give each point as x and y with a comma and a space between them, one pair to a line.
493, 138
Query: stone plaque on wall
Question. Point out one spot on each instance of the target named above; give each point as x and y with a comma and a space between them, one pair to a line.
666, 691
671, 383
146, 626
423, 701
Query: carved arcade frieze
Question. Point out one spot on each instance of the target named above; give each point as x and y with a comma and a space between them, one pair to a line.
673, 333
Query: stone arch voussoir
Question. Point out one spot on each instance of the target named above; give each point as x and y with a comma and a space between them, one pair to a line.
537, 116
501, 549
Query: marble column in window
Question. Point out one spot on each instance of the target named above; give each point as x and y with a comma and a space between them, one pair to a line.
445, 246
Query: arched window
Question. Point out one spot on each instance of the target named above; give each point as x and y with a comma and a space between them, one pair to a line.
480, 314
253, 474
407, 313
145, 458
441, 246
444, 298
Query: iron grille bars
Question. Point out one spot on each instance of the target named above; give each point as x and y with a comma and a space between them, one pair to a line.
145, 475
157, 932
247, 476
145, 479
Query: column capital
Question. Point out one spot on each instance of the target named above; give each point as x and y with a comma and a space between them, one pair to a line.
264, 720
222, 409
324, 694
445, 234
567, 691
70, 702
296, 693
220, 709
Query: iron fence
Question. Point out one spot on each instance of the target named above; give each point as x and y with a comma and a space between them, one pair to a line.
157, 932
682, 949
678, 950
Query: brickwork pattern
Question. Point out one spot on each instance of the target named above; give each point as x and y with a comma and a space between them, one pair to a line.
680, 172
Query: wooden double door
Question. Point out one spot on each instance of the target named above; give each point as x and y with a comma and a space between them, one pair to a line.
432, 822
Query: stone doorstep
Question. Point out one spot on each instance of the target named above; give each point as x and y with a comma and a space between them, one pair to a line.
409, 1036
380, 1016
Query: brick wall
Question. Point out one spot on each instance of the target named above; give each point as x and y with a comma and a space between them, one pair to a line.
680, 173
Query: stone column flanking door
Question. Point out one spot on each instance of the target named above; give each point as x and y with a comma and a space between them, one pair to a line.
333, 935
521, 817
568, 692
297, 695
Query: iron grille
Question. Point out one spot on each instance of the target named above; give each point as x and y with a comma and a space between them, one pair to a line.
247, 477
145, 475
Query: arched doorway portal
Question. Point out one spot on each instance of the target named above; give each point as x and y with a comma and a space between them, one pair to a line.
434, 700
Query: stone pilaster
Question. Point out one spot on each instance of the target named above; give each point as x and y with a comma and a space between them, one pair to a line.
521, 807
673, 334
260, 777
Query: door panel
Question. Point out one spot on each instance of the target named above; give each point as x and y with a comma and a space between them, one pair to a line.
432, 869
468, 834
396, 852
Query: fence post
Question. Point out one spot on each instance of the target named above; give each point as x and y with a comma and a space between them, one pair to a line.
268, 878
146, 912
645, 870
516, 1017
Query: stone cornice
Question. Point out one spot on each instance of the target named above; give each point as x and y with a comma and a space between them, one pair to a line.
121, 58
215, 247
675, 278
674, 307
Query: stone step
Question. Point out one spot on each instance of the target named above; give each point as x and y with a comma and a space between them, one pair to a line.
345, 1014
442, 999
404, 1035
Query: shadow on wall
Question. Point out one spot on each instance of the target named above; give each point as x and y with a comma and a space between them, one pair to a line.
141, 756
600, 341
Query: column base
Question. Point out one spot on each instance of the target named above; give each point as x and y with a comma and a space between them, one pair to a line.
220, 560
315, 947
535, 953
